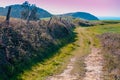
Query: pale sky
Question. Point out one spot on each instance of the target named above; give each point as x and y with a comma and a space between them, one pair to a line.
95, 7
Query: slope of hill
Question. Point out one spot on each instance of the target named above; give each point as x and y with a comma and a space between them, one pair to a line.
16, 11
82, 15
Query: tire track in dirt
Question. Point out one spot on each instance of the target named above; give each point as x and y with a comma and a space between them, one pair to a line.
66, 75
93, 61
94, 65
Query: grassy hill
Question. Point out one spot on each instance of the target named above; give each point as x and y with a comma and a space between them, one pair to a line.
82, 15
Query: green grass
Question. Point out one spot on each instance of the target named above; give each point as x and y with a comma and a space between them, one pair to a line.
48, 18
100, 29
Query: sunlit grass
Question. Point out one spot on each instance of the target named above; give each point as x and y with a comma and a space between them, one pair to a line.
100, 29
50, 66
48, 18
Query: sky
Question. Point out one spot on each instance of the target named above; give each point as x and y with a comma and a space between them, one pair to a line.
95, 7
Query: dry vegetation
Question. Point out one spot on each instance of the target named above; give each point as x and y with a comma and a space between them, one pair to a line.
84, 23
23, 45
111, 49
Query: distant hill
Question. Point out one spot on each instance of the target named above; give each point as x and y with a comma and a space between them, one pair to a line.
82, 15
16, 11
17, 8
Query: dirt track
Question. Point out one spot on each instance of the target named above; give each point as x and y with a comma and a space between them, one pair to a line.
94, 65
66, 75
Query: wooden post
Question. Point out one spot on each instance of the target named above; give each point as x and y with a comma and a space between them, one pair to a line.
28, 18
60, 18
8, 15
49, 21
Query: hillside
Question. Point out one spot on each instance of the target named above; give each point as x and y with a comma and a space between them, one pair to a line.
82, 15
16, 11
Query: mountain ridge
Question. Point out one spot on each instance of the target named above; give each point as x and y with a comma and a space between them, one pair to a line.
83, 15
17, 8
42, 13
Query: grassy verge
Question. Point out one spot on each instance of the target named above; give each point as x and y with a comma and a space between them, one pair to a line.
100, 29
49, 66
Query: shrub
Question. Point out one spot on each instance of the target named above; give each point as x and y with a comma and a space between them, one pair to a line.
23, 45
111, 49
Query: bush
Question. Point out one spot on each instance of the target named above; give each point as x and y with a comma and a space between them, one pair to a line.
111, 49
23, 45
